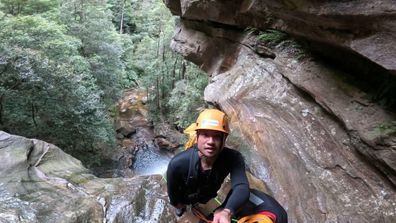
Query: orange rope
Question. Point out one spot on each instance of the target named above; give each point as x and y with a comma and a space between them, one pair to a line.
201, 216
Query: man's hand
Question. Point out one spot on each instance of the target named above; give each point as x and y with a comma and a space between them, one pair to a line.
222, 216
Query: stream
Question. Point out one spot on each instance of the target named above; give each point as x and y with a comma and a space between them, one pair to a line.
148, 159
139, 151
149, 162
143, 159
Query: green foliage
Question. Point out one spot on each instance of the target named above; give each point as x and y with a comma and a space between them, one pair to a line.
27, 7
48, 90
385, 129
185, 100
272, 37
123, 11
102, 46
63, 64
251, 30
159, 69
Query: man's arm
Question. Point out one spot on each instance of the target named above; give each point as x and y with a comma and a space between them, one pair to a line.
173, 181
239, 183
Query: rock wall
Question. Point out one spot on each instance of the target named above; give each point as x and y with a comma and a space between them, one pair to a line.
365, 27
315, 139
41, 183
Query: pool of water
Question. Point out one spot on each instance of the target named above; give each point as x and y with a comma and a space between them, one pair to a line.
150, 161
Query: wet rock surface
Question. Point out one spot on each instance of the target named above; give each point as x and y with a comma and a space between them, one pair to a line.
41, 183
144, 147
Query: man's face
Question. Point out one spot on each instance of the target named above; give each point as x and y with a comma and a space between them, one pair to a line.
210, 142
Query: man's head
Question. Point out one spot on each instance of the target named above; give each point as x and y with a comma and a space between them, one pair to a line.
212, 131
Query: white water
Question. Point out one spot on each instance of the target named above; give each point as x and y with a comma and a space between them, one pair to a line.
150, 161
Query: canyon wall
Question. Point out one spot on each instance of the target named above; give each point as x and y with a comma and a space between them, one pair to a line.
315, 135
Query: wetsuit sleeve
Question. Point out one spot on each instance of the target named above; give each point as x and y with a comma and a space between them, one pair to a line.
174, 181
239, 183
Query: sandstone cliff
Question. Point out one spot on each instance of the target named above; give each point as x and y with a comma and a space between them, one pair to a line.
316, 136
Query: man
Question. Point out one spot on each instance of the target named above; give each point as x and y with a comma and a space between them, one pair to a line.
195, 175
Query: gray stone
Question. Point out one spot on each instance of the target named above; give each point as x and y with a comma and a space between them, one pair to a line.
365, 27
41, 183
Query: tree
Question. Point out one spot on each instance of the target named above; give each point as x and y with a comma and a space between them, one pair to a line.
185, 100
27, 7
91, 22
46, 89
63, 64
159, 68
123, 15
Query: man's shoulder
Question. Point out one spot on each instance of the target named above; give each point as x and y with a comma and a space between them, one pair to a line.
231, 155
231, 152
182, 158
182, 155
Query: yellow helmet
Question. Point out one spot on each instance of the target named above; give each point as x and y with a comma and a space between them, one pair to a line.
212, 119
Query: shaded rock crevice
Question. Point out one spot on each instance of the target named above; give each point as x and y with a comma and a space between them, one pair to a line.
357, 25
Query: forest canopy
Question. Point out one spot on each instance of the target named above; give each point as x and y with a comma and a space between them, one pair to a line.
64, 63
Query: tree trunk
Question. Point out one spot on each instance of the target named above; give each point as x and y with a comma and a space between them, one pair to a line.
162, 80
1, 111
122, 16
19, 9
183, 70
158, 47
79, 11
174, 73
33, 111
158, 94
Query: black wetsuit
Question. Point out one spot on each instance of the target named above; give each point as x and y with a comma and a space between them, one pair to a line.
203, 185
206, 183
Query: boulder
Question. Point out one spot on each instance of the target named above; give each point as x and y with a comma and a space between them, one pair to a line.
41, 183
